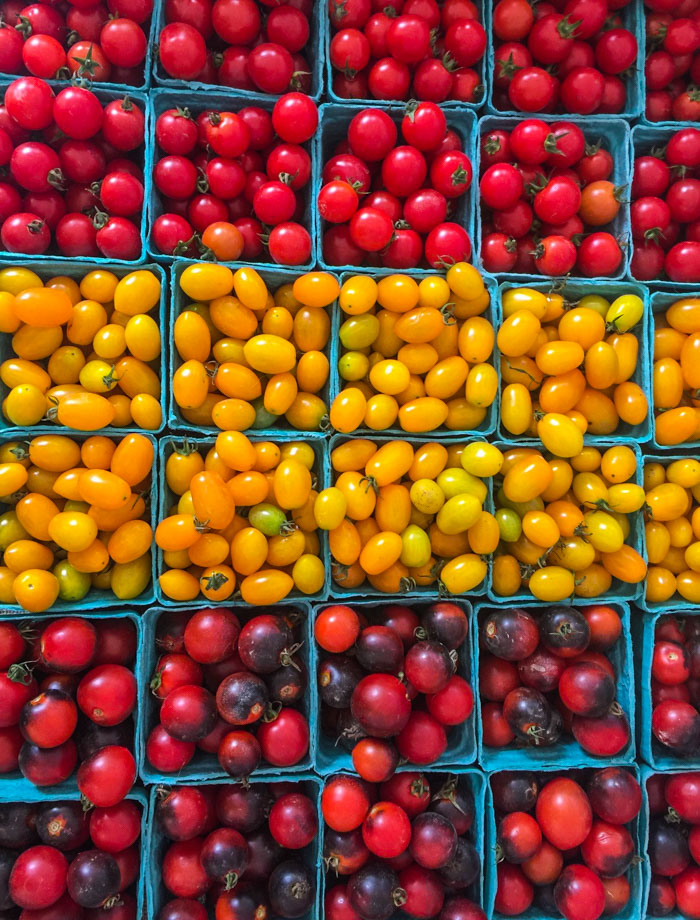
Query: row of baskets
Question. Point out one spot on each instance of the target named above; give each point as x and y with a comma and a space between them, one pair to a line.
630, 657
154, 844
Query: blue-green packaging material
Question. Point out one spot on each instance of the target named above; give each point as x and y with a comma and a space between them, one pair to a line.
566, 752
486, 428
615, 136
21, 790
169, 443
158, 895
645, 138
632, 18
436, 776
409, 590
159, 101
143, 161
313, 54
332, 758
333, 128
644, 824
662, 296
635, 874
676, 602
573, 291
25, 620
657, 755
619, 590
50, 269
480, 67
205, 767
96, 599
179, 301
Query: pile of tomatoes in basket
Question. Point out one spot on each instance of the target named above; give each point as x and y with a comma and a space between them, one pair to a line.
241, 850
68, 693
407, 48
59, 861
577, 56
232, 183
391, 203
673, 848
665, 209
218, 682
238, 43
78, 189
675, 685
672, 68
92, 41
547, 176
405, 844
564, 842
366, 703
546, 673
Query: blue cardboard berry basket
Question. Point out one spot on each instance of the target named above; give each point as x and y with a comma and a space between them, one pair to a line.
313, 53
143, 161
658, 756
573, 291
96, 598
632, 18
158, 895
619, 590
205, 767
166, 499
675, 602
409, 589
159, 101
49, 269
332, 758
333, 128
635, 874
614, 135
337, 350
481, 68
436, 777
179, 302
20, 790
28, 620
647, 138
647, 773
566, 752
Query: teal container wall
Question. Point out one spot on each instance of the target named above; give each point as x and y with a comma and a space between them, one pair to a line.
49, 269
179, 301
169, 443
566, 753
635, 874
205, 767
332, 758
106, 599
158, 895
487, 426
659, 757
